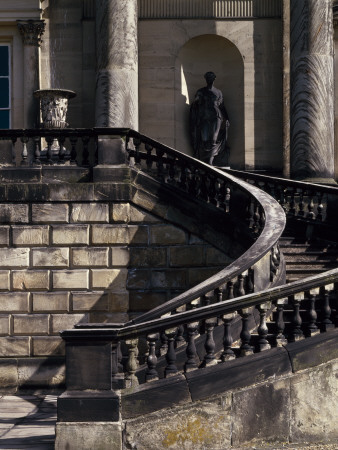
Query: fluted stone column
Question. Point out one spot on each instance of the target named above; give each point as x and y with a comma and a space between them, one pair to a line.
31, 31
312, 91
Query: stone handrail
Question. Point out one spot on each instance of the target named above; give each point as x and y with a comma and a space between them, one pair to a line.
263, 217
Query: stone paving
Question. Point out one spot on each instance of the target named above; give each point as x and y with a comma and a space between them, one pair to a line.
27, 421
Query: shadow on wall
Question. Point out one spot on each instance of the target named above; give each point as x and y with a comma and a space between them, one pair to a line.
198, 56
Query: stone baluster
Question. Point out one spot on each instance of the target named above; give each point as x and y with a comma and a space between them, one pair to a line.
312, 328
311, 215
228, 353
183, 176
151, 373
171, 368
203, 190
191, 363
227, 199
137, 157
149, 159
179, 340
159, 164
164, 343
256, 218
296, 322
62, 150
230, 290
132, 363
326, 322
212, 192
249, 281
292, 203
85, 151
73, 142
24, 153
37, 152
50, 141
240, 286
209, 358
280, 324
335, 303
282, 197
320, 207
300, 203
263, 343
245, 335
171, 169
13, 139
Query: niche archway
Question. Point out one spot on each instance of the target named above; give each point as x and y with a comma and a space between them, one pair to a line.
198, 56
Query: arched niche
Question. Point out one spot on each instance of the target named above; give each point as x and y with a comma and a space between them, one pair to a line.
198, 56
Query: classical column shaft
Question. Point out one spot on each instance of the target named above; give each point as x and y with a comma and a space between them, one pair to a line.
31, 31
312, 90
117, 68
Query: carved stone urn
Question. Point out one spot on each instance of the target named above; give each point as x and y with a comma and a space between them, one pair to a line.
54, 106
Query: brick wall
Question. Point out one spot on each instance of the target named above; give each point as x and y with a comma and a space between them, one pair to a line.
62, 263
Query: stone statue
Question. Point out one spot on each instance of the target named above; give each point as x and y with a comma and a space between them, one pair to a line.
209, 123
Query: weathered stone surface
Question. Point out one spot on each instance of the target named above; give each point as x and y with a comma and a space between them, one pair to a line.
8, 373
144, 301
216, 258
138, 215
166, 235
138, 279
138, 234
50, 301
120, 256
187, 256
50, 257
112, 279
50, 213
199, 275
314, 404
256, 416
30, 279
4, 235
4, 279
30, 324
91, 256
88, 301
202, 426
4, 324
90, 212
14, 346
174, 278
14, 302
35, 372
148, 256
70, 279
100, 435
47, 346
14, 257
61, 322
14, 213
119, 301
71, 234
108, 317
120, 212
30, 235
110, 234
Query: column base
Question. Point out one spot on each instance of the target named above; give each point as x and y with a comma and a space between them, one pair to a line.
88, 435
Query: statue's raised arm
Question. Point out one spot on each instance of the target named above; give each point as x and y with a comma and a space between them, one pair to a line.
209, 122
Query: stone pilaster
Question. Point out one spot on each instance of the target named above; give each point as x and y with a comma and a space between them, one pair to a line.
31, 31
312, 91
117, 69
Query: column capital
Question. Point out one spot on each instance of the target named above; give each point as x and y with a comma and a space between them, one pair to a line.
31, 31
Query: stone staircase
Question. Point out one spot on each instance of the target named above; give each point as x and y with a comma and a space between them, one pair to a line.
304, 259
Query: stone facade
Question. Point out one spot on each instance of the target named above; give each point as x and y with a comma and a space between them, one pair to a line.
70, 262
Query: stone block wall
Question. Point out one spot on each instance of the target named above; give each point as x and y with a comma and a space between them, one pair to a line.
63, 263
